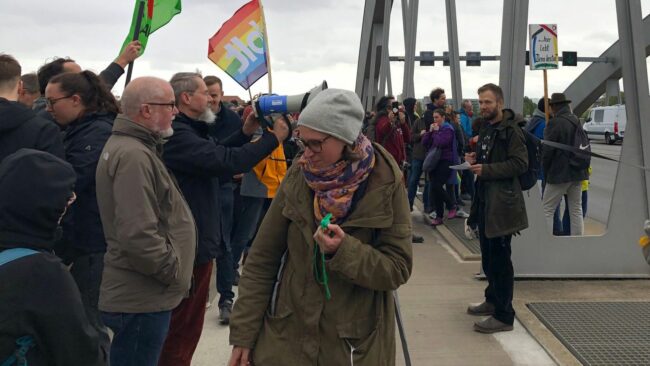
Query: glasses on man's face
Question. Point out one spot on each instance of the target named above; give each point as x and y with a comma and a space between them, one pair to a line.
315, 146
171, 105
51, 102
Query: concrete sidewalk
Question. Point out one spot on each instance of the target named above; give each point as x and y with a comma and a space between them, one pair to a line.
433, 302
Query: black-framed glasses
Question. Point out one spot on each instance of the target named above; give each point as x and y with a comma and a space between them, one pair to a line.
168, 104
313, 145
51, 102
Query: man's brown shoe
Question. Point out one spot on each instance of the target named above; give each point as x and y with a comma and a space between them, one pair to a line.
491, 325
482, 309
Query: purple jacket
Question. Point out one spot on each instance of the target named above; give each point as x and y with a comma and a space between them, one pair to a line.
443, 138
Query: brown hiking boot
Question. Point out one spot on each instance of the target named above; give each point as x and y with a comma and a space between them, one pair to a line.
482, 309
491, 325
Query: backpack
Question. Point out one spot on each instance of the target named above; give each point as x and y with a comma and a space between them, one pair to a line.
24, 343
580, 143
528, 179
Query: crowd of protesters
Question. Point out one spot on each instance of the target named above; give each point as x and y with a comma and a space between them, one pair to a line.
113, 214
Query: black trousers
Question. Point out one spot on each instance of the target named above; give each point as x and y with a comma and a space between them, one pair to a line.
497, 266
87, 272
437, 179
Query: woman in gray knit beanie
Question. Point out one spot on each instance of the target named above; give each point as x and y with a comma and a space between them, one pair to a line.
317, 285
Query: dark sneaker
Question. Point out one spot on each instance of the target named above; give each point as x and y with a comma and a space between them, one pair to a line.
235, 281
437, 221
417, 239
482, 309
224, 312
491, 325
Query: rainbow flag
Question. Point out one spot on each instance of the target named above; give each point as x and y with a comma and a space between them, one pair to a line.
238, 47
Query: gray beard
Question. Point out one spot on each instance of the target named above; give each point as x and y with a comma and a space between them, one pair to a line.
166, 133
207, 116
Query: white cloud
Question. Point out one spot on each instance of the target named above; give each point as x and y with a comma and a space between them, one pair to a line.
310, 40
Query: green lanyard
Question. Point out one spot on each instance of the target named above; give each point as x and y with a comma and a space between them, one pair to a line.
321, 276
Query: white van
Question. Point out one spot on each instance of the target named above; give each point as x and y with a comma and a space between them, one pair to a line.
606, 123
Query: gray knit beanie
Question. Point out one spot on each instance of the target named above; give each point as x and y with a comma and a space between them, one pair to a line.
336, 112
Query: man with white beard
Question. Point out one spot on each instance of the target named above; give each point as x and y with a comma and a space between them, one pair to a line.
197, 161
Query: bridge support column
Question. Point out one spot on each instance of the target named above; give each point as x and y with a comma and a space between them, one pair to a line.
513, 53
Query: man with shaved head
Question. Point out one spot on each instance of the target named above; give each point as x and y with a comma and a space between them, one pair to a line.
149, 229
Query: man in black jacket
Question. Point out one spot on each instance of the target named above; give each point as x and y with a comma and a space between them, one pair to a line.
19, 125
227, 123
39, 301
498, 208
561, 177
198, 161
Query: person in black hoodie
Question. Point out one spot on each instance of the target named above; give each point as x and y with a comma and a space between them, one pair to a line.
198, 161
83, 106
19, 125
38, 297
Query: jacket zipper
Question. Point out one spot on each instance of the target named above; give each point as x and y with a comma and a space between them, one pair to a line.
352, 349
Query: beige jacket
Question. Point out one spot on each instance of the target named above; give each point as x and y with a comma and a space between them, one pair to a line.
150, 232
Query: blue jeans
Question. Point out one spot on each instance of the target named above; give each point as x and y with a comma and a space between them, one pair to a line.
138, 338
225, 270
414, 180
246, 225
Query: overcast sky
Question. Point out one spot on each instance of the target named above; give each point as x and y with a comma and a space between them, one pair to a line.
310, 40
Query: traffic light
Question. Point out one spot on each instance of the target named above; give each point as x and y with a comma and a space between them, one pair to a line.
473, 59
426, 58
527, 58
445, 62
569, 58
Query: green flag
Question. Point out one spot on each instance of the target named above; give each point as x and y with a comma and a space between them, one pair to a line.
155, 14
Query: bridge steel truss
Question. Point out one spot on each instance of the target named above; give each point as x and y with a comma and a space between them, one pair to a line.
536, 253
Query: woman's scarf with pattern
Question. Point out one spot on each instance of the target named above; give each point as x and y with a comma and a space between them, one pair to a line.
334, 186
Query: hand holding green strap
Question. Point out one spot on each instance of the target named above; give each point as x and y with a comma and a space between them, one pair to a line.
319, 271
324, 223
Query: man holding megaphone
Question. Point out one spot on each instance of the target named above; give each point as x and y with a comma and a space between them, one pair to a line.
197, 161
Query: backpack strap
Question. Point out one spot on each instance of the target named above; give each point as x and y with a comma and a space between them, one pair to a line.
24, 343
19, 358
9, 255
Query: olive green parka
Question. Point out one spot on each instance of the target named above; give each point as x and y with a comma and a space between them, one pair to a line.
505, 209
299, 326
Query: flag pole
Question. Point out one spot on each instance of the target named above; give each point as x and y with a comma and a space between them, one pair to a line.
136, 34
266, 48
546, 114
